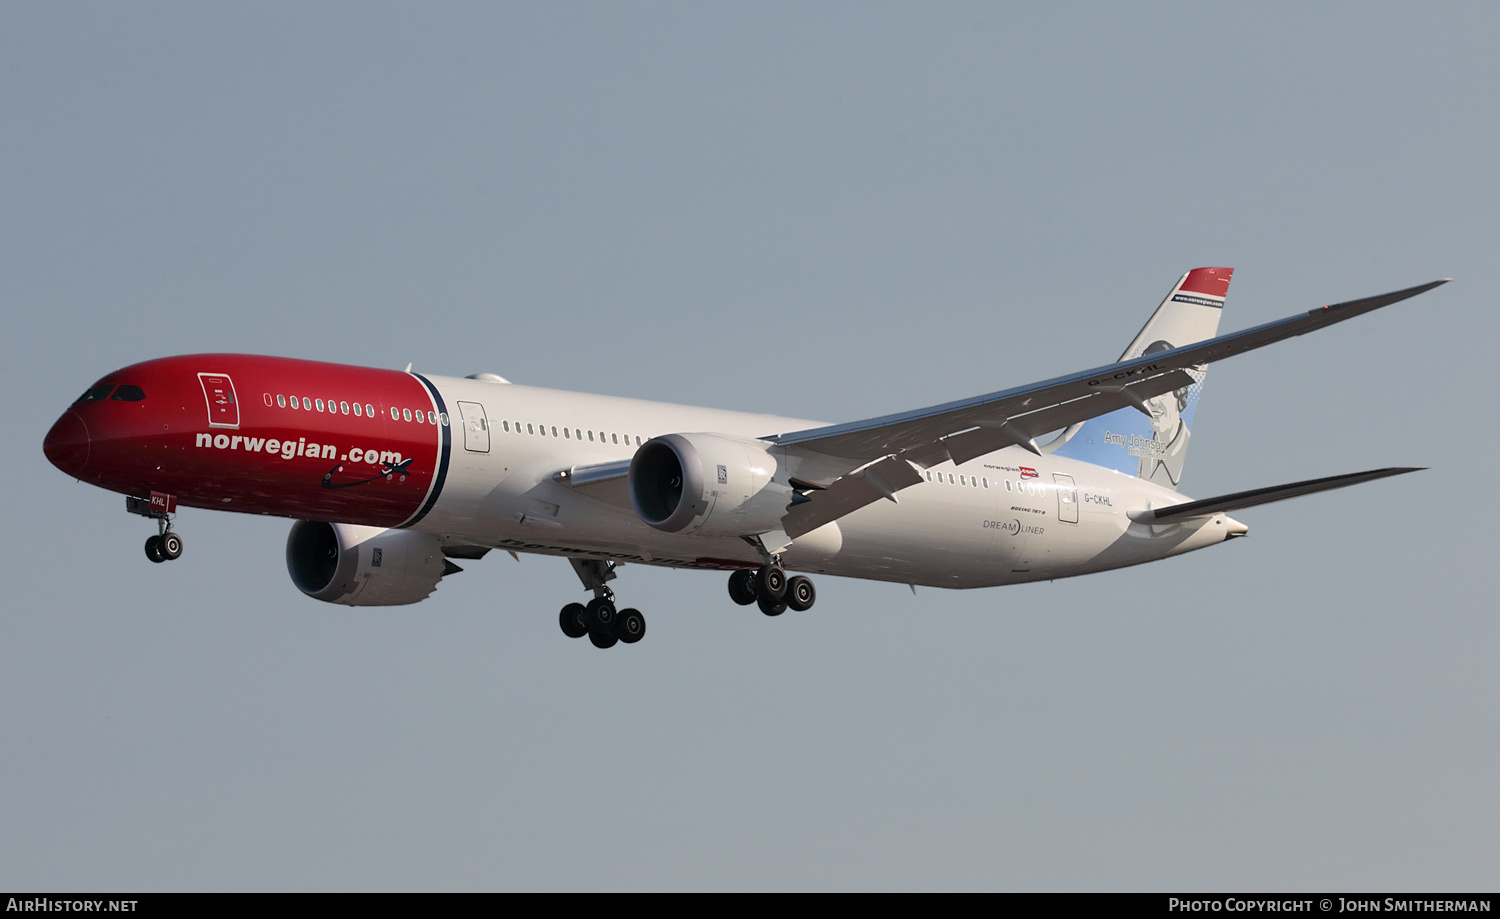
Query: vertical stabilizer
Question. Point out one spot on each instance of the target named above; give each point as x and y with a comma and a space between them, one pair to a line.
1152, 442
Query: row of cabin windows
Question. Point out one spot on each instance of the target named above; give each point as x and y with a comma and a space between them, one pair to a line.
570, 433
365, 410
974, 481
309, 404
419, 416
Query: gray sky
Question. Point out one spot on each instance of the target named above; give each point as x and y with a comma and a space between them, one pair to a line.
827, 210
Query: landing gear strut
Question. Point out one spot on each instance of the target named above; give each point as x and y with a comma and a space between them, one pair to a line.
166, 545
598, 619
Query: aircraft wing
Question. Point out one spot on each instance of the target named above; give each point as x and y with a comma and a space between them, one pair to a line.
878, 448
1258, 496
604, 481
1038, 408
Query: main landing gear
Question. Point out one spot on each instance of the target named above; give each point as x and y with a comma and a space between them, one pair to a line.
769, 588
598, 619
166, 545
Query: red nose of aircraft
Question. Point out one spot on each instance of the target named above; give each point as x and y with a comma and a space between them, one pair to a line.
67, 444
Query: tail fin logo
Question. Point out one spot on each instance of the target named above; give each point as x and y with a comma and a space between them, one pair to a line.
1153, 447
1161, 457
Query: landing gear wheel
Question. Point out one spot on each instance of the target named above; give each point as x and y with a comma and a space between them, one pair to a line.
769, 606
770, 581
630, 626
602, 639
171, 545
571, 620
800, 594
742, 586
599, 616
153, 550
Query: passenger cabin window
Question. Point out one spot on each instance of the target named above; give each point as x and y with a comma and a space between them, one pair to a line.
344, 408
307, 403
319, 404
281, 401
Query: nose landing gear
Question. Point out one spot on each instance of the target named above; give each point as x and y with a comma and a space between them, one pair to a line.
166, 545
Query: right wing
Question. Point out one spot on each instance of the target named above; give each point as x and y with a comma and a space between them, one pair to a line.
883, 454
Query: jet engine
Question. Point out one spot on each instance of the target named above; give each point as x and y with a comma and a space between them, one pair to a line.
364, 566
707, 485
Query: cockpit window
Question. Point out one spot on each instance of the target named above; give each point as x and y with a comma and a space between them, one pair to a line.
96, 393
128, 393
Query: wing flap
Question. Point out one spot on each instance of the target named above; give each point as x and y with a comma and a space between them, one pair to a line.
885, 477
881, 479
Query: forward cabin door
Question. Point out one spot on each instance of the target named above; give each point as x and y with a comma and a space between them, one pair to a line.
476, 427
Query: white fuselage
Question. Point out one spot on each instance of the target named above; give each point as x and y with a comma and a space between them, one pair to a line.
1004, 518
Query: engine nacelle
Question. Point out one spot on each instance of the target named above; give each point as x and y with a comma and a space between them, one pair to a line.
363, 566
707, 485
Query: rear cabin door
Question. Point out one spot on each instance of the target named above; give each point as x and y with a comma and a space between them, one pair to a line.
1067, 498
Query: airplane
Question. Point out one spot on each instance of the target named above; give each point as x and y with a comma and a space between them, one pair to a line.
390, 475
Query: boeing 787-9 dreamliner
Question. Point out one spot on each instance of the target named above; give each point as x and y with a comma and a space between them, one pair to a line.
391, 475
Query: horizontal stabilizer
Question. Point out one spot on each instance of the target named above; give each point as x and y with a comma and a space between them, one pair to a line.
1254, 497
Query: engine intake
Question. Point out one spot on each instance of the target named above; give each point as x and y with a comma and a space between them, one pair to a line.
363, 566
707, 485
